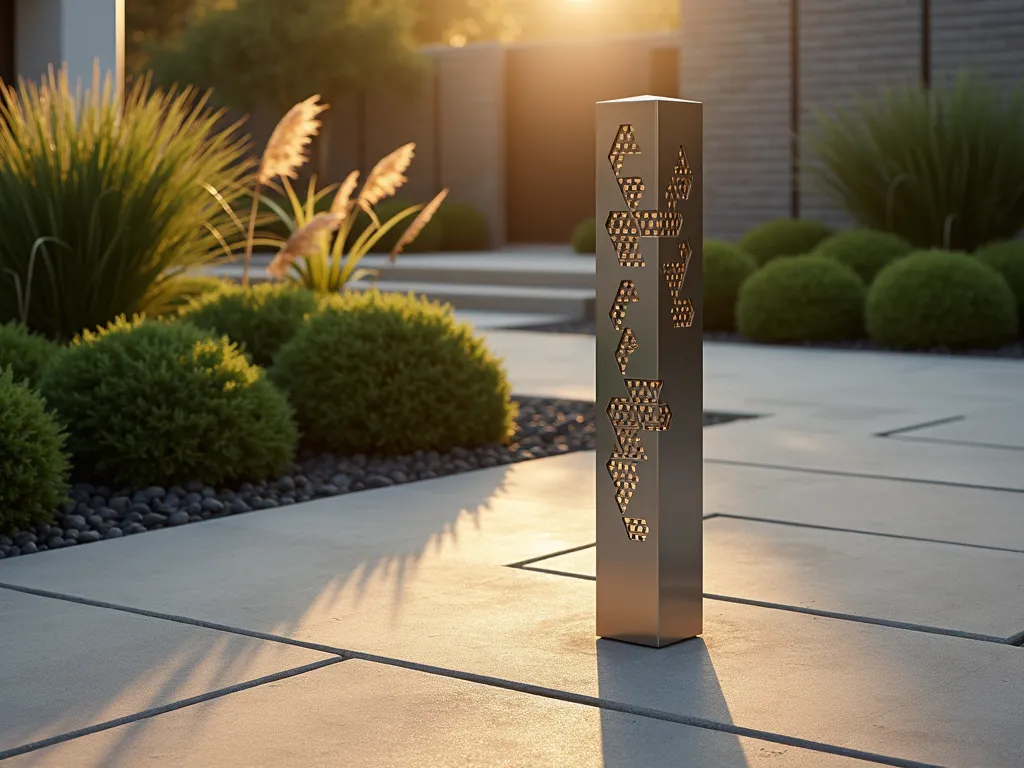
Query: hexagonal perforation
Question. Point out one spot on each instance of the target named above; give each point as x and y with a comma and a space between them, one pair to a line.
627, 346
625, 236
659, 223
624, 144
681, 182
627, 293
674, 272
636, 528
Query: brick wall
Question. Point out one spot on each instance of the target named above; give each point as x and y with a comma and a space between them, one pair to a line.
849, 49
735, 57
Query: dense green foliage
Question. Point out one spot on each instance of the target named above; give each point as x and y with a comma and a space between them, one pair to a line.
105, 202
783, 237
803, 298
584, 237
1007, 258
939, 299
33, 465
259, 319
24, 352
154, 403
463, 227
726, 268
390, 374
941, 167
865, 251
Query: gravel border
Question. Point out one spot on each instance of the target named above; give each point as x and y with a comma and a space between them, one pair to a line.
545, 427
588, 327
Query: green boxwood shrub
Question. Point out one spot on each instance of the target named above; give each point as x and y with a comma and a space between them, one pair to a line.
1007, 258
259, 319
803, 298
390, 374
154, 403
783, 237
34, 469
865, 251
463, 227
940, 299
584, 237
726, 267
24, 352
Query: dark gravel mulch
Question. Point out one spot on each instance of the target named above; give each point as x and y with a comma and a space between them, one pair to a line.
588, 327
545, 427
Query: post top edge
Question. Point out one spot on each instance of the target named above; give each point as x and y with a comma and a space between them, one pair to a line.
648, 98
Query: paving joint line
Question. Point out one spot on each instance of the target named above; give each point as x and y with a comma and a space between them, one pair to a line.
165, 708
964, 443
882, 534
851, 617
345, 654
863, 475
922, 425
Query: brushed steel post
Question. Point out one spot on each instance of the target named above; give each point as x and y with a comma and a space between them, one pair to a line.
649, 370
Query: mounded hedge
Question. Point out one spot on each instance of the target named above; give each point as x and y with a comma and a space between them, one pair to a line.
803, 298
783, 237
24, 352
34, 469
389, 374
865, 251
935, 299
259, 319
155, 403
1007, 258
726, 268
584, 237
463, 227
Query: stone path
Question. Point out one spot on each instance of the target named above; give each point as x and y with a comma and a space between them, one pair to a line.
864, 591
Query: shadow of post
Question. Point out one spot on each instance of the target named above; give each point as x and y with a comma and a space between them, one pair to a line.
680, 679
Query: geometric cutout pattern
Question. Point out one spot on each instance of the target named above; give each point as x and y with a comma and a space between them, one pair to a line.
636, 528
624, 478
632, 189
627, 346
625, 144
674, 272
627, 292
659, 223
625, 236
681, 182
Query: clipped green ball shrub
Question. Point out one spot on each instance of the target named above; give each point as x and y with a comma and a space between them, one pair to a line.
726, 268
935, 299
151, 403
259, 319
463, 227
783, 237
584, 237
1007, 258
34, 466
390, 374
24, 352
803, 298
865, 251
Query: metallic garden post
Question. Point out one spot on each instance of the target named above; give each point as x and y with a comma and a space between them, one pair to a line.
649, 370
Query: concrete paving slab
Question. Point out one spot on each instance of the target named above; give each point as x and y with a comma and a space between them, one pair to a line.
360, 713
965, 515
66, 666
997, 427
918, 696
966, 590
757, 441
546, 364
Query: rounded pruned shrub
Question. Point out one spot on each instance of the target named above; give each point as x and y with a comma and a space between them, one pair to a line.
783, 237
804, 298
726, 268
259, 319
1007, 258
24, 352
151, 403
865, 251
584, 237
463, 227
389, 374
933, 299
34, 468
